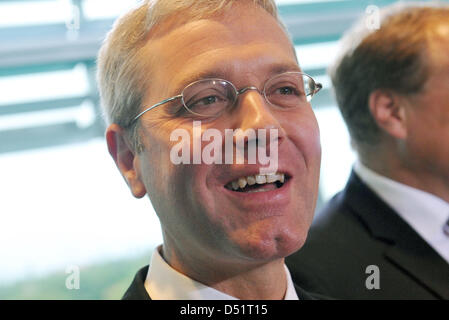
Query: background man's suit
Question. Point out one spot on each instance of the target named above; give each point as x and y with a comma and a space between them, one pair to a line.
357, 229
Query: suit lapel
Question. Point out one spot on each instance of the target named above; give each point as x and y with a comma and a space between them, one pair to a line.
303, 295
136, 290
406, 249
424, 265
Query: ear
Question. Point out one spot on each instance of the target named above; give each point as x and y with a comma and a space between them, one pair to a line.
388, 110
125, 159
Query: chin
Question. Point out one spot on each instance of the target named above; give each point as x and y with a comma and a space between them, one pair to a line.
272, 244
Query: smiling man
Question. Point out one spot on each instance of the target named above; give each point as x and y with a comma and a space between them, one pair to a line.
229, 65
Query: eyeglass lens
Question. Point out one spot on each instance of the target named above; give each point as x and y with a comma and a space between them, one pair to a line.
212, 96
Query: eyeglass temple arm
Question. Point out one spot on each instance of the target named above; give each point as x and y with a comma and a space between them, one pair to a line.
156, 105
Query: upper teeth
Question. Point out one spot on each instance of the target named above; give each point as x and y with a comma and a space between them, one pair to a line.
258, 178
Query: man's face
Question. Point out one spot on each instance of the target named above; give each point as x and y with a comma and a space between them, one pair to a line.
428, 114
201, 218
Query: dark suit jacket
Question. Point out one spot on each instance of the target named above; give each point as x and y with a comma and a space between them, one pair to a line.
137, 290
357, 229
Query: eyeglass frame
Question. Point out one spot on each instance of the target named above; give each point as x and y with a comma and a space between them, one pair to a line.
318, 85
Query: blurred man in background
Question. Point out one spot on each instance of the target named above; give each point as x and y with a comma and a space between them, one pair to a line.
229, 64
386, 235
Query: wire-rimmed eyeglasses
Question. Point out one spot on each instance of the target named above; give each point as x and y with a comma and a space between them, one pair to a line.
211, 97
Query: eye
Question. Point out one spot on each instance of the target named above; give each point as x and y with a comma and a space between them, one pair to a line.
207, 100
287, 91
207, 103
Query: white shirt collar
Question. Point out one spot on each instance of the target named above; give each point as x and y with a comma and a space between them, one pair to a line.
165, 283
424, 212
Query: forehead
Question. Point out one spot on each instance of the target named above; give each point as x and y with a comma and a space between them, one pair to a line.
244, 40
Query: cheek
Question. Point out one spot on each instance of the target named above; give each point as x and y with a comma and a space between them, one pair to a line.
178, 192
163, 179
305, 135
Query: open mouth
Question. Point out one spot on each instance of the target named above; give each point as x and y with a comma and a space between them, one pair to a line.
258, 183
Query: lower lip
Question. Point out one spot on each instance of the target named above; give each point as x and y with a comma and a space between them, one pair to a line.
279, 196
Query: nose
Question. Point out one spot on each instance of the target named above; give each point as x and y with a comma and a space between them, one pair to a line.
253, 112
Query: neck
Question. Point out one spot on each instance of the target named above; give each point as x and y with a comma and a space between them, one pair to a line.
406, 170
267, 281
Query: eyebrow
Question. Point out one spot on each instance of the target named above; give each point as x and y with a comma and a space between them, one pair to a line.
201, 75
284, 67
223, 73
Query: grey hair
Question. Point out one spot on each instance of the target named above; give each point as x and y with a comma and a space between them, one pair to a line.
122, 73
391, 58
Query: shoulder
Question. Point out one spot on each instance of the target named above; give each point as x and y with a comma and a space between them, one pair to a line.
339, 243
342, 228
350, 215
329, 248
